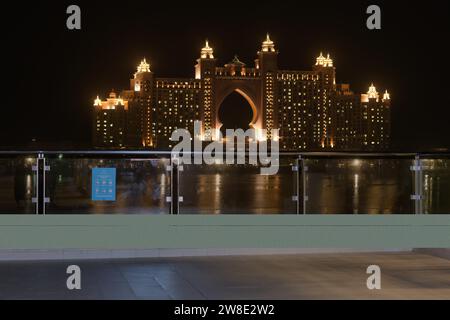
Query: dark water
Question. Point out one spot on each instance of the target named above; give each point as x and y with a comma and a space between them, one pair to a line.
331, 186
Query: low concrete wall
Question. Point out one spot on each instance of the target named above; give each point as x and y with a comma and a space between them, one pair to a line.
112, 232
33, 237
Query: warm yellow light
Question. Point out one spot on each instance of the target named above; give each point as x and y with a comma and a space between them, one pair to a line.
325, 62
143, 66
268, 45
328, 61
97, 102
372, 93
111, 102
320, 60
207, 51
386, 95
260, 134
119, 101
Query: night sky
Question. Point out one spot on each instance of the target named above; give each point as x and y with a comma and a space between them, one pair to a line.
51, 75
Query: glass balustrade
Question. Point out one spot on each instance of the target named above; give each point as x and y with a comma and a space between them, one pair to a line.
238, 189
359, 185
141, 186
17, 184
436, 185
152, 183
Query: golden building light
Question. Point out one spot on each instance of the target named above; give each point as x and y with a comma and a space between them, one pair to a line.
386, 96
97, 102
207, 52
143, 66
111, 102
372, 93
324, 62
119, 101
320, 60
328, 61
268, 45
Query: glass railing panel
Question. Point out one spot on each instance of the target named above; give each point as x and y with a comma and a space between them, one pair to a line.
141, 186
17, 184
237, 189
436, 186
359, 186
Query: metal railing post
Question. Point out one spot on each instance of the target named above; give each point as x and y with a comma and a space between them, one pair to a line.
45, 199
35, 198
296, 196
174, 199
169, 199
417, 168
304, 170
39, 170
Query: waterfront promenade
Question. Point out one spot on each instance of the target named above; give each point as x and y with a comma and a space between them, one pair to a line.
405, 275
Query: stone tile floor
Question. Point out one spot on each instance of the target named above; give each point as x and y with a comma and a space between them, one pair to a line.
310, 276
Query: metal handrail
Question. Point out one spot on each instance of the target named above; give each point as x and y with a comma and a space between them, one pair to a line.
167, 152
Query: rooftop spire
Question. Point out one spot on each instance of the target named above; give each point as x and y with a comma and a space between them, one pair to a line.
207, 52
325, 62
328, 61
268, 45
97, 102
320, 60
372, 93
236, 61
143, 66
386, 96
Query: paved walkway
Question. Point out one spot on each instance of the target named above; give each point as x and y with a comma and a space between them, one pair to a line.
313, 276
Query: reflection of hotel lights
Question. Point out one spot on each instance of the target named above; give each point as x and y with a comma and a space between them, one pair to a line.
28, 184
356, 163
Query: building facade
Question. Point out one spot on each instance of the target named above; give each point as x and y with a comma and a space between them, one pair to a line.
311, 111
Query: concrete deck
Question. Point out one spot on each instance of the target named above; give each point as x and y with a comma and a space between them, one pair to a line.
406, 275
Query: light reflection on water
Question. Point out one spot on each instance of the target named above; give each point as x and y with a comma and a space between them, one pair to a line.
374, 186
352, 186
356, 193
28, 184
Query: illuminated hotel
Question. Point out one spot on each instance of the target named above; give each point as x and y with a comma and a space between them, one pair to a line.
311, 110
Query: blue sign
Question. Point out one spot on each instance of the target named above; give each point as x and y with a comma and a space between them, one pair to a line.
104, 184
